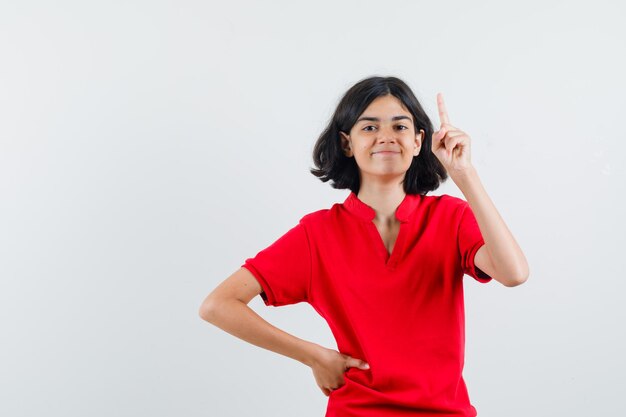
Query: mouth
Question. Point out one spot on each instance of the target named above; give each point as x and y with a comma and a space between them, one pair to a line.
385, 153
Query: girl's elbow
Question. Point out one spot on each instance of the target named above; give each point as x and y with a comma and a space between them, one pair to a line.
518, 279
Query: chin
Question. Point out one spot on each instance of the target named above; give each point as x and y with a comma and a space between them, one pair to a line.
386, 174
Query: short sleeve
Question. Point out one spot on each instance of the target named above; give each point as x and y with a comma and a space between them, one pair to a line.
470, 240
283, 269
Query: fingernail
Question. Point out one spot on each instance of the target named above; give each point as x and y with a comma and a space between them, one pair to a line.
366, 366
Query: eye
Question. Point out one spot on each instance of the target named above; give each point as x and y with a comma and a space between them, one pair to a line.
399, 126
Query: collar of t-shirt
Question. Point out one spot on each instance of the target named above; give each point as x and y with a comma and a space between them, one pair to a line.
363, 211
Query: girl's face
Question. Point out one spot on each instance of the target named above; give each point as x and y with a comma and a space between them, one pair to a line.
383, 140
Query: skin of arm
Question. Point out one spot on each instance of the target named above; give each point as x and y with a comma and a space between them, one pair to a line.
227, 308
500, 257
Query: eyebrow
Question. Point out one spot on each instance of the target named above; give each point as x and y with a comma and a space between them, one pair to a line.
376, 119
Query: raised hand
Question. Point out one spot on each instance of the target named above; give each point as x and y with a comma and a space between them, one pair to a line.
451, 145
329, 367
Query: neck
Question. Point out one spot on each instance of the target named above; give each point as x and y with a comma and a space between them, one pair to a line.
384, 198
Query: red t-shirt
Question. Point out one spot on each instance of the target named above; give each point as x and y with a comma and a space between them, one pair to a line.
403, 314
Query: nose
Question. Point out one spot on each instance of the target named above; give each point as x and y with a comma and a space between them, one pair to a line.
386, 134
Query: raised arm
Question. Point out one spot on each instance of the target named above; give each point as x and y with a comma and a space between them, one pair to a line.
500, 257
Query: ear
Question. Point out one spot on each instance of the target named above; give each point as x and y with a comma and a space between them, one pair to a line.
418, 142
346, 144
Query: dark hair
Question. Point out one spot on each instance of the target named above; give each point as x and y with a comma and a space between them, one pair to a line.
425, 173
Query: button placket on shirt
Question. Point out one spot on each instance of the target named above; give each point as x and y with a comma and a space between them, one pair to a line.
367, 214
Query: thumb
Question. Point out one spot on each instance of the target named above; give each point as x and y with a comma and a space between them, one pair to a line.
358, 363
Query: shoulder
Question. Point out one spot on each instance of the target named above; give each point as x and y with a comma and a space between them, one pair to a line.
446, 204
451, 201
325, 219
316, 224
316, 217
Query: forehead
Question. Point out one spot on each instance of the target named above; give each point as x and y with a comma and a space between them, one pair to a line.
386, 106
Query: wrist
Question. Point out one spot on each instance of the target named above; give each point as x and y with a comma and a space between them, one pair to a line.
310, 353
461, 178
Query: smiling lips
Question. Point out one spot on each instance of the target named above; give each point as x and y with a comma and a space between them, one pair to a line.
385, 152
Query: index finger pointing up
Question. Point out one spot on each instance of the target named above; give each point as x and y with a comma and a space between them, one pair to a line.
443, 113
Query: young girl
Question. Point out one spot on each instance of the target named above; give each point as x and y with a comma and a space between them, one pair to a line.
385, 267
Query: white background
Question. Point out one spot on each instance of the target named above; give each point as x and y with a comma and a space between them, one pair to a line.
147, 148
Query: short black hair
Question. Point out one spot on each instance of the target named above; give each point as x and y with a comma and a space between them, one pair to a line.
425, 173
